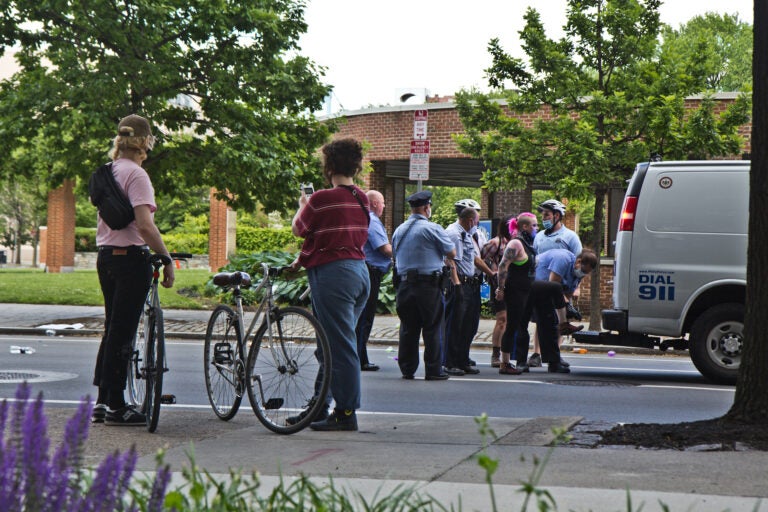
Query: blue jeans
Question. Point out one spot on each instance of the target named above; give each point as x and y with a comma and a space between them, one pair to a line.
339, 292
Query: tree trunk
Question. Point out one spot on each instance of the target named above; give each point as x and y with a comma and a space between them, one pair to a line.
750, 404
597, 246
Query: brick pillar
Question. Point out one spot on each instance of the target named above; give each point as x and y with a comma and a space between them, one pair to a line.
222, 233
60, 243
43, 248
512, 202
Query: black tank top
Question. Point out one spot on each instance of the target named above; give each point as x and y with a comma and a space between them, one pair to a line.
520, 277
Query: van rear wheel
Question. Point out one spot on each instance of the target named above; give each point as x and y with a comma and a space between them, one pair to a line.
716, 344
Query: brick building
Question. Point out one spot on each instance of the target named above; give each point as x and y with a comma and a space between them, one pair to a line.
388, 132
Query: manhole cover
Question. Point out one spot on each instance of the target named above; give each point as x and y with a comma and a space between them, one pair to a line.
19, 376
592, 383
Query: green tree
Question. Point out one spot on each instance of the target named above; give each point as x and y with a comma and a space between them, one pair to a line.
714, 49
223, 83
603, 105
22, 208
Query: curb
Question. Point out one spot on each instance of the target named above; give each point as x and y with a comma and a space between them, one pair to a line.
382, 341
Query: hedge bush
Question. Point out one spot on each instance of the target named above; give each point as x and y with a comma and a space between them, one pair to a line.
250, 240
85, 240
194, 243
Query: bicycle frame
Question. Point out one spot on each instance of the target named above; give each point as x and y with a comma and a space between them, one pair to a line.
266, 304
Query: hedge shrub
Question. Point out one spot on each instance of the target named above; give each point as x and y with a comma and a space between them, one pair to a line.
251, 240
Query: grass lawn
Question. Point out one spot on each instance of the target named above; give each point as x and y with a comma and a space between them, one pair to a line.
81, 287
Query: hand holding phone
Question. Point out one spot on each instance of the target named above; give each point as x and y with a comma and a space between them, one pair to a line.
307, 188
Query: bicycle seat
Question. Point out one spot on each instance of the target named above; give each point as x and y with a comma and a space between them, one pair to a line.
232, 279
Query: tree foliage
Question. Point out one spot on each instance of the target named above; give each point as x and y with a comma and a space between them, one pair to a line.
583, 110
714, 50
222, 82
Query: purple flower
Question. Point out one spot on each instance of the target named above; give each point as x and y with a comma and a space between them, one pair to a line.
68, 459
35, 455
156, 498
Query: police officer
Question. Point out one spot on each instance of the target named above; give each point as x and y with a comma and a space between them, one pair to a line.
481, 268
460, 300
421, 249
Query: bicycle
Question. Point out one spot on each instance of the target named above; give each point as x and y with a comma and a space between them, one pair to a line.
147, 362
288, 366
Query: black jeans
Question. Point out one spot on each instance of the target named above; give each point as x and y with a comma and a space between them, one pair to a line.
124, 276
365, 322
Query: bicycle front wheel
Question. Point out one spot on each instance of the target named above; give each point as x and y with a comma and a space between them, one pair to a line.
223, 363
137, 389
288, 370
155, 367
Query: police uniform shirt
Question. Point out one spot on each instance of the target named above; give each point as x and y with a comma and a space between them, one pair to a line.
561, 262
465, 249
479, 244
377, 238
423, 248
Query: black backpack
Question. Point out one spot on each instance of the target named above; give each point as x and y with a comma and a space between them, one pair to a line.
114, 207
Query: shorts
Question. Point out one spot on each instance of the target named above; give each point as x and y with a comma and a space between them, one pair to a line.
496, 306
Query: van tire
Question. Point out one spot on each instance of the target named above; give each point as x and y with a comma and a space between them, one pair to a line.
716, 342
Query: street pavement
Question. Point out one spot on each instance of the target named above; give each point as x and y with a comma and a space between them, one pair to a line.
435, 454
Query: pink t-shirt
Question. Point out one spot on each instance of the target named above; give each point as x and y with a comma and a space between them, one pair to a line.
136, 183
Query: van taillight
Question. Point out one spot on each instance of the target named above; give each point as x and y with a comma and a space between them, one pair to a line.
627, 219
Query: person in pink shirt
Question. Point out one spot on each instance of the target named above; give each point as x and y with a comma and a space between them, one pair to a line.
125, 272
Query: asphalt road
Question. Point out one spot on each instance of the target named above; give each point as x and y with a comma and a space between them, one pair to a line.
621, 388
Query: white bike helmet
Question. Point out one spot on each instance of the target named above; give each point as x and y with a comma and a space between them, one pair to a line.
553, 205
466, 203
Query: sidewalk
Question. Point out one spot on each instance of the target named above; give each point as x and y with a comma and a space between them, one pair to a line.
435, 453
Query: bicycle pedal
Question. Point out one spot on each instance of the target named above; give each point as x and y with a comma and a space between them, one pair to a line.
167, 399
274, 403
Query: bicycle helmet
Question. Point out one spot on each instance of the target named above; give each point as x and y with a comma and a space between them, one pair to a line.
553, 205
466, 203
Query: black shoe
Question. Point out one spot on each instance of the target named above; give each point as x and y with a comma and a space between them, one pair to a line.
558, 368
439, 376
369, 367
344, 420
455, 372
470, 370
321, 414
472, 362
99, 413
565, 363
523, 367
126, 416
408, 376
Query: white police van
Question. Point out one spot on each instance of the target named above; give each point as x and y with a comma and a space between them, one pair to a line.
680, 264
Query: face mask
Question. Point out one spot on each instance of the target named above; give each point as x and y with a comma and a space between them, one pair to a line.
579, 273
533, 233
547, 224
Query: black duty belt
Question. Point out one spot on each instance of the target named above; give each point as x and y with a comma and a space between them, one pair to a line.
468, 279
411, 277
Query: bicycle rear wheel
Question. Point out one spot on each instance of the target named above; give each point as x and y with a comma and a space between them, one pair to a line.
223, 363
137, 389
288, 370
155, 367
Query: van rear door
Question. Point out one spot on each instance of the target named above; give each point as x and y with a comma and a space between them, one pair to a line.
690, 231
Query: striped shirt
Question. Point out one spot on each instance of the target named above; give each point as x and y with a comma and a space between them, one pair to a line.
334, 227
